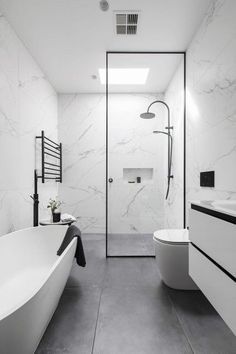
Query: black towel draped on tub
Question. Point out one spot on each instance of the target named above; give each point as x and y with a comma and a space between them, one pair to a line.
72, 232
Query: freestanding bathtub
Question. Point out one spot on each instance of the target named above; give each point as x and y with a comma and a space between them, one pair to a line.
32, 278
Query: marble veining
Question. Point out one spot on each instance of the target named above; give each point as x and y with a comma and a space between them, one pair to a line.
211, 105
134, 208
28, 104
126, 213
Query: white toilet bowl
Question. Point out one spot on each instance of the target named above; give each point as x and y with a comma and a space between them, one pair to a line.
171, 248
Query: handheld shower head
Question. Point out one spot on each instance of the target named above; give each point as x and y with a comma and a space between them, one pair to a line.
147, 115
160, 132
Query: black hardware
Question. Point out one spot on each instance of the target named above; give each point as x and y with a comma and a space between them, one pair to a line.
170, 141
52, 169
48, 153
48, 173
57, 179
54, 152
138, 179
51, 164
53, 174
60, 162
43, 165
207, 179
46, 143
35, 198
110, 180
53, 142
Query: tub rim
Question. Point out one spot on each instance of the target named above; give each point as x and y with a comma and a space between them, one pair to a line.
37, 289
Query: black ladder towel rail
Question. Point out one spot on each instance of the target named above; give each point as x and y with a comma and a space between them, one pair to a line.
51, 168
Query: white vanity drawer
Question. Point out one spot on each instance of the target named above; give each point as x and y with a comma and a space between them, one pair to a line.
218, 287
216, 237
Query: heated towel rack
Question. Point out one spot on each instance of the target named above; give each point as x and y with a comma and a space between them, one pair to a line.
51, 169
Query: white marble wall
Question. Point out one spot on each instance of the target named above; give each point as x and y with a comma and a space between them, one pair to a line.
28, 104
82, 132
132, 207
211, 103
174, 97
135, 208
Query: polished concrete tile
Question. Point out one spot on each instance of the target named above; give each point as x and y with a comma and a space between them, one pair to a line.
138, 320
93, 273
131, 272
137, 313
205, 329
130, 244
72, 327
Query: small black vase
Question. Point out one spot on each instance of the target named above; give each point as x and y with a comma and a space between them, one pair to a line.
56, 217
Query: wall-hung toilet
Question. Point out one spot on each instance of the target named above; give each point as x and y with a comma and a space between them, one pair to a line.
171, 249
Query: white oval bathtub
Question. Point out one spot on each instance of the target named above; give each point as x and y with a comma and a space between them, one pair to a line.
32, 278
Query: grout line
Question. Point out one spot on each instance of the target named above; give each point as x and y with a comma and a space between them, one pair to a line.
98, 312
95, 331
180, 322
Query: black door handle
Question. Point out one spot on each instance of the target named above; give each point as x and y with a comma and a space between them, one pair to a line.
110, 180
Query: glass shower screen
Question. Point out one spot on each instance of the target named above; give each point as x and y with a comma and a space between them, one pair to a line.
136, 158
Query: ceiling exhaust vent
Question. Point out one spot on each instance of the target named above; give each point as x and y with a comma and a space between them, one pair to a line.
126, 22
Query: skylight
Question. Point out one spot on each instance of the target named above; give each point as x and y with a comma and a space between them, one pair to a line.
124, 76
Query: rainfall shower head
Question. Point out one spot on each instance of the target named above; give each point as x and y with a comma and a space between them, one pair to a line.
147, 115
104, 5
150, 115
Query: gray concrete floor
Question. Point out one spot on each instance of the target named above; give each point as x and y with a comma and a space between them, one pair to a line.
120, 305
131, 245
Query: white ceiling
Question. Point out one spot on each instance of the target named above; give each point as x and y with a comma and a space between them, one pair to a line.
68, 38
161, 69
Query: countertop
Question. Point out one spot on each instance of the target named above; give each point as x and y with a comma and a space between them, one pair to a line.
215, 208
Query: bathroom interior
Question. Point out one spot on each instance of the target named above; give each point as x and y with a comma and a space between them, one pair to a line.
117, 184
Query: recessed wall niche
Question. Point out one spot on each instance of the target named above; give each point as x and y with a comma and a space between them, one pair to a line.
132, 175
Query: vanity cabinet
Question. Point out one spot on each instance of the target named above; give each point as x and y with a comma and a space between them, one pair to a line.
212, 258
